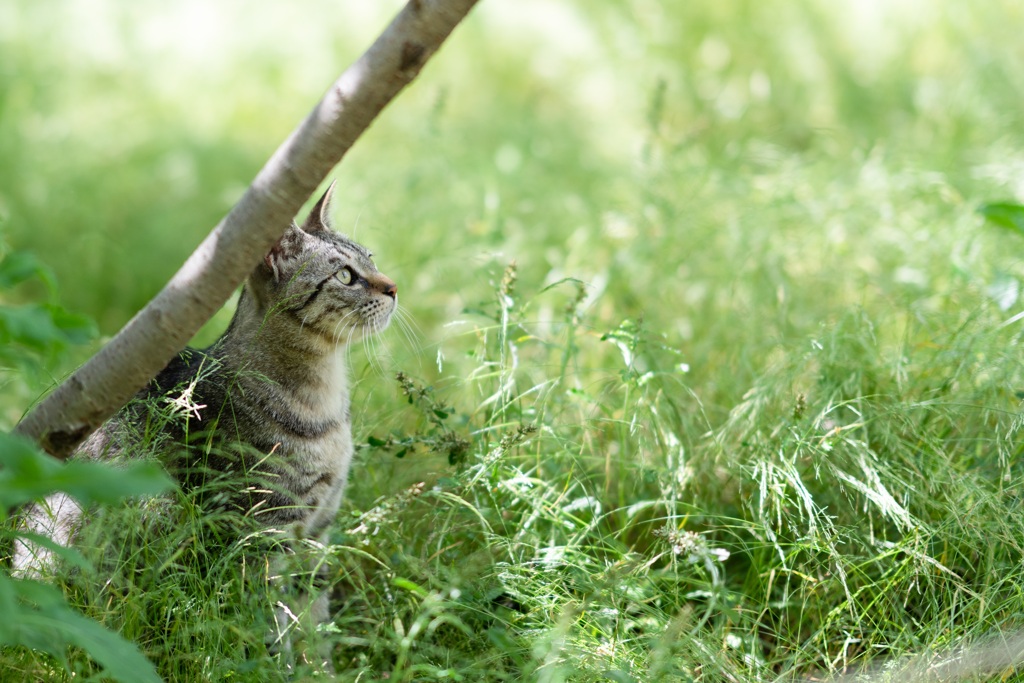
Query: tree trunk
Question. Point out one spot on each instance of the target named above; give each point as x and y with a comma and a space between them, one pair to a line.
98, 389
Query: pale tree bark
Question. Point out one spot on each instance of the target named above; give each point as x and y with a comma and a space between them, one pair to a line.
144, 346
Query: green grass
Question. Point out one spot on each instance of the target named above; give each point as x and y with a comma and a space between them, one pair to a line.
749, 408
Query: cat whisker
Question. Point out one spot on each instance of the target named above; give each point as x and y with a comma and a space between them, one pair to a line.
403, 313
411, 336
368, 352
347, 351
369, 342
339, 327
381, 349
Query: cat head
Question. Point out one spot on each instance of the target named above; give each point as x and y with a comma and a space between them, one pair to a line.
326, 283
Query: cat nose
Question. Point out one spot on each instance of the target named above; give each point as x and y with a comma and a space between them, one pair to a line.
389, 287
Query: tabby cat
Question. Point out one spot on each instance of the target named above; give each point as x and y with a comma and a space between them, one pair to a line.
267, 403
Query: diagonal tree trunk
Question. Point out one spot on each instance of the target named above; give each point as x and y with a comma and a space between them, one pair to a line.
144, 346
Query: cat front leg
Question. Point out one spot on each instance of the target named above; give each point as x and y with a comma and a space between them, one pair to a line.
304, 608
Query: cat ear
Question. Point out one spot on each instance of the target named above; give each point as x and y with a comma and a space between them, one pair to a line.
290, 241
319, 216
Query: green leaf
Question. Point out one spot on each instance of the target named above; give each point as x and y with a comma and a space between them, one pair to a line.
31, 326
42, 327
77, 329
375, 442
1009, 215
35, 614
27, 475
41, 620
19, 266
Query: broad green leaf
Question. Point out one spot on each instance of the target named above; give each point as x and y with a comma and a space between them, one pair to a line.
19, 266
27, 475
43, 327
1009, 215
31, 326
77, 329
42, 620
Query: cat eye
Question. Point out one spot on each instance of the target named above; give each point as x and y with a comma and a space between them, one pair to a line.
345, 276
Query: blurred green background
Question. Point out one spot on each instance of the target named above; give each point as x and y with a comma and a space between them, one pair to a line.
653, 150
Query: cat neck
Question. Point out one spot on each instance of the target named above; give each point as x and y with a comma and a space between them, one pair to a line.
273, 345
